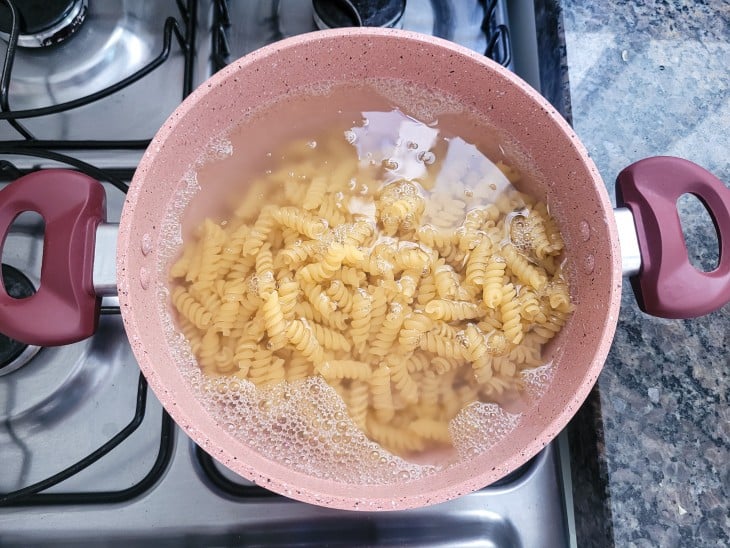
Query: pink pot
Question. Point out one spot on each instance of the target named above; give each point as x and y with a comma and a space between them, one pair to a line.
66, 306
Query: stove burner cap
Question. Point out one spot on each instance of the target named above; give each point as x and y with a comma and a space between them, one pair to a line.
43, 22
14, 353
329, 14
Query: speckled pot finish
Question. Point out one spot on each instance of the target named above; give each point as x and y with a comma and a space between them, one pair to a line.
577, 195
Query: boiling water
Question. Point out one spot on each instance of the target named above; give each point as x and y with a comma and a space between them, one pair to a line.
305, 425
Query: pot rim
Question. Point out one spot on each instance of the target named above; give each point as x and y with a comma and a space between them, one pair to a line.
277, 477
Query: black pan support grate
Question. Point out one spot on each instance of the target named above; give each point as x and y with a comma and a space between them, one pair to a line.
494, 26
183, 30
30, 146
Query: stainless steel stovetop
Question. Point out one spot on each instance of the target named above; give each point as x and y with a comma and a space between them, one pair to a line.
81, 412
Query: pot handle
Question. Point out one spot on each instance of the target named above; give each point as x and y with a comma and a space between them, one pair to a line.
667, 284
65, 308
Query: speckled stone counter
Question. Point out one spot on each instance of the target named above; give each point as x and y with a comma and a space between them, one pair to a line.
653, 78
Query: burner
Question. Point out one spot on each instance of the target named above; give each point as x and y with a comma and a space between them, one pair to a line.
14, 354
43, 22
358, 13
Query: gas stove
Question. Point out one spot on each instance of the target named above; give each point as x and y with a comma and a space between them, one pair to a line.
88, 456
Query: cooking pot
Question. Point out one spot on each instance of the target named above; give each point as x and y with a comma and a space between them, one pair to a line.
645, 230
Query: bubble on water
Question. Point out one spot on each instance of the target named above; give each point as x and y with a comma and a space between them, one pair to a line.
218, 148
390, 164
426, 156
312, 144
146, 244
144, 277
350, 136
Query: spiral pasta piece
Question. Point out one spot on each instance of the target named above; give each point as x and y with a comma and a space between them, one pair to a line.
315, 193
190, 309
300, 221
525, 272
358, 401
382, 397
476, 265
389, 331
446, 279
209, 347
212, 243
331, 211
288, 296
551, 229
476, 345
318, 299
402, 380
328, 338
299, 368
345, 369
330, 263
227, 314
179, 269
418, 361
442, 309
260, 366
412, 259
493, 281
358, 233
298, 252
394, 439
231, 252
301, 336
442, 241
469, 233
265, 271
274, 321
441, 346
260, 231
510, 311
360, 318
411, 333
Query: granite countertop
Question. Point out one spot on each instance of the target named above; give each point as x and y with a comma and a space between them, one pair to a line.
652, 78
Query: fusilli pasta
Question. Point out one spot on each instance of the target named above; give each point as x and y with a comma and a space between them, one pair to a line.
411, 300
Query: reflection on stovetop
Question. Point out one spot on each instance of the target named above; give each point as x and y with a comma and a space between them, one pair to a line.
81, 413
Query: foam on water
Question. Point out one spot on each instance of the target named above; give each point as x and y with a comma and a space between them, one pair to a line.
537, 380
479, 426
423, 103
303, 425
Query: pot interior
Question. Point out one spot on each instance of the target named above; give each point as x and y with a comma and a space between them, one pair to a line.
191, 156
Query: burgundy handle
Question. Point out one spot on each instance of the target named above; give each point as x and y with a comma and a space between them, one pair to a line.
668, 285
65, 308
